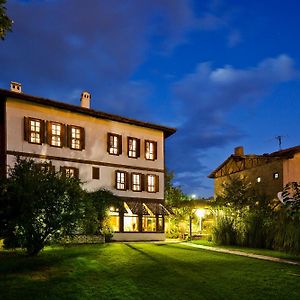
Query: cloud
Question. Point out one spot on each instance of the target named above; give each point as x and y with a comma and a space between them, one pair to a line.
205, 97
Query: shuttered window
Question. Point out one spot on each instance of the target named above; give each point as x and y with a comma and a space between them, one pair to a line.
95, 173
136, 182
152, 183
114, 144
150, 150
34, 130
133, 147
55, 134
122, 180
76, 137
70, 172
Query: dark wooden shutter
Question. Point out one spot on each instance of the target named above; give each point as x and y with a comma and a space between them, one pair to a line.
142, 182
69, 136
156, 183
138, 147
108, 142
63, 139
155, 150
48, 132
127, 181
43, 131
82, 138
76, 171
116, 178
145, 148
119, 144
95, 173
26, 129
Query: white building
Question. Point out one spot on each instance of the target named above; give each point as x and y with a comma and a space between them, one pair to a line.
107, 151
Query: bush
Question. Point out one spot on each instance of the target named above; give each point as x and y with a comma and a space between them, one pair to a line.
224, 232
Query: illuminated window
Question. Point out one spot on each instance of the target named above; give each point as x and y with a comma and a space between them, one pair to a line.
121, 180
258, 179
76, 137
131, 219
70, 172
276, 175
150, 150
114, 219
114, 144
133, 147
149, 219
136, 182
55, 134
152, 183
34, 130
46, 167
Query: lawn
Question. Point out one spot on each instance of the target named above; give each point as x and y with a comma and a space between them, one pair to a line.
143, 271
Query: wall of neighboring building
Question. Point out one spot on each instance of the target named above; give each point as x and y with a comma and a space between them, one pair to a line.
268, 185
2, 136
291, 169
95, 153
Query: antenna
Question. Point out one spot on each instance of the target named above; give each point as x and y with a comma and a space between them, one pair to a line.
279, 138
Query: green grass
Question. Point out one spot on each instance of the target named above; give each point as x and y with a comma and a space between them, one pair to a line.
143, 271
266, 252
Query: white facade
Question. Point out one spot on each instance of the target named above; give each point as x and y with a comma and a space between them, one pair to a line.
95, 153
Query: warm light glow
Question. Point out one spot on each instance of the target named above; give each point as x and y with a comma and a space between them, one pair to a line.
200, 213
193, 196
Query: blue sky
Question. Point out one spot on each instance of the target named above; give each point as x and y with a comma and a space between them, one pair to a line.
224, 73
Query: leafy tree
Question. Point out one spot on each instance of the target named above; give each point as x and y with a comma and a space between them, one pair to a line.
5, 21
38, 204
97, 204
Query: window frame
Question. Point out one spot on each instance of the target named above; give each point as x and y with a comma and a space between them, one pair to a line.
152, 156
118, 147
125, 183
140, 175
81, 138
64, 169
95, 173
28, 131
155, 183
137, 150
50, 134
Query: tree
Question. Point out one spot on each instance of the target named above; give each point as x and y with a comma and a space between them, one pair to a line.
5, 21
38, 204
97, 204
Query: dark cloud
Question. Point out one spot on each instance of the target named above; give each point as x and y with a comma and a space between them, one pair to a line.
205, 98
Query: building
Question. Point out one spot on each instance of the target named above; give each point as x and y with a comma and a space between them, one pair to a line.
122, 155
267, 173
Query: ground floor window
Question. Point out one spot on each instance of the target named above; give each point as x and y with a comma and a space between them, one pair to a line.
137, 217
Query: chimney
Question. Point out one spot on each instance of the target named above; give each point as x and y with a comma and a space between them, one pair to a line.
85, 99
16, 87
239, 151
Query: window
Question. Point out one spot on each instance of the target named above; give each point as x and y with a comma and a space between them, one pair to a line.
152, 182
55, 133
150, 150
121, 180
46, 167
114, 144
34, 130
133, 147
76, 137
95, 173
276, 175
114, 219
136, 182
149, 219
258, 179
70, 172
131, 218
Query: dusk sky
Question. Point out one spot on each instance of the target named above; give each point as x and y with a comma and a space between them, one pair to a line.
224, 73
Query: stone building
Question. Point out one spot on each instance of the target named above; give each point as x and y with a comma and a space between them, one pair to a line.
267, 173
122, 155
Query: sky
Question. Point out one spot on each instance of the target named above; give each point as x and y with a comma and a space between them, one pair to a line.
224, 73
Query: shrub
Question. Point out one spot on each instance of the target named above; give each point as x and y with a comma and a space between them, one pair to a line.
224, 232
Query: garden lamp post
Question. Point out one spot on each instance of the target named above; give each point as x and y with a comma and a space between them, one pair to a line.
200, 213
